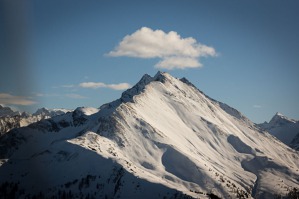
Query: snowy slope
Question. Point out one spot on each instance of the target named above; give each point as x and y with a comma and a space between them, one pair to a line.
162, 138
282, 127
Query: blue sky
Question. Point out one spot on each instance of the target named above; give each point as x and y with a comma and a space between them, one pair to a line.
49, 49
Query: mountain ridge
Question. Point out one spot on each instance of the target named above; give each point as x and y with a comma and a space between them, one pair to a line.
283, 128
7, 111
10, 119
162, 133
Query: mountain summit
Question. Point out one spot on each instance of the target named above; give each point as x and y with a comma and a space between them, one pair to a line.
8, 112
162, 139
284, 128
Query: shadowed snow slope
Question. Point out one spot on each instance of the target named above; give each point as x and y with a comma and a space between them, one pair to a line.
162, 138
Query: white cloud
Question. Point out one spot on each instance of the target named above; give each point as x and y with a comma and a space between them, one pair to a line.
257, 106
46, 94
178, 62
6, 98
94, 85
121, 86
75, 96
175, 52
70, 95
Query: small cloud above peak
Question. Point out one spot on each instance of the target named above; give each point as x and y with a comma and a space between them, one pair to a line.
174, 51
95, 85
257, 106
178, 63
75, 96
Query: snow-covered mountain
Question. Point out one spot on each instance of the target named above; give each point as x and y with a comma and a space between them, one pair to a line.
283, 128
10, 119
7, 111
47, 113
162, 139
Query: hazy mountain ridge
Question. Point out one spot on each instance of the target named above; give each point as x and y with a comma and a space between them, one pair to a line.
162, 138
10, 119
283, 128
7, 111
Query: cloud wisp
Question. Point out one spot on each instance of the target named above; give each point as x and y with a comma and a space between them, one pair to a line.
8, 99
75, 96
55, 95
174, 51
95, 85
46, 94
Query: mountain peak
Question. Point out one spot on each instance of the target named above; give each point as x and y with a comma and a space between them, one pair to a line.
279, 114
283, 128
161, 135
7, 111
45, 112
42, 111
162, 77
137, 88
279, 118
145, 80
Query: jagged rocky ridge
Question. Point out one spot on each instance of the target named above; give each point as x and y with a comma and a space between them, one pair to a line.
7, 111
10, 119
162, 139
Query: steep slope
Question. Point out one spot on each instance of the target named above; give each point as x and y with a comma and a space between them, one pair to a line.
162, 138
295, 143
282, 127
45, 160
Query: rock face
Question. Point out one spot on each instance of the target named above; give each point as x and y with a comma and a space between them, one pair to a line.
283, 128
162, 139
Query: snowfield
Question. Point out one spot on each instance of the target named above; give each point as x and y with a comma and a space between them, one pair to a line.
162, 139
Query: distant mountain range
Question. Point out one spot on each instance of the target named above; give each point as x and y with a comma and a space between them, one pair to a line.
10, 119
163, 138
283, 128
